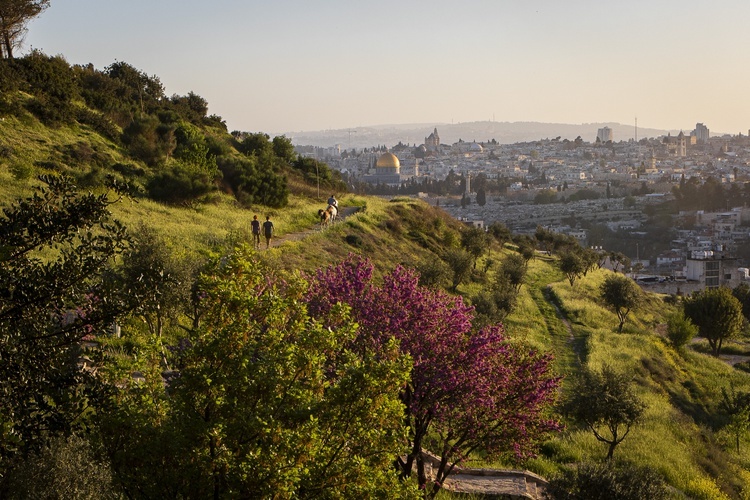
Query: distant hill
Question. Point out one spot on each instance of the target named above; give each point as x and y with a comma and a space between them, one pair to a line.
502, 132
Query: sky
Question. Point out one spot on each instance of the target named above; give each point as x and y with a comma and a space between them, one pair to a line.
280, 66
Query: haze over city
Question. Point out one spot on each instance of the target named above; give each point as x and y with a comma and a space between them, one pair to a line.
287, 66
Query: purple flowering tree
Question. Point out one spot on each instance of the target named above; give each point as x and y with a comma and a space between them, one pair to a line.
468, 390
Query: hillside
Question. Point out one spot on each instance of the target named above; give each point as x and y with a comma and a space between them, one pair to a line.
683, 435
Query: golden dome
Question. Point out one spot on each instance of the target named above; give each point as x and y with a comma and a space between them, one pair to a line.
388, 160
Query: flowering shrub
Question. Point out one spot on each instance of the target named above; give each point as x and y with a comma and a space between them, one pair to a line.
468, 390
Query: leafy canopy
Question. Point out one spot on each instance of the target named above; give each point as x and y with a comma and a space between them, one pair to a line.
467, 390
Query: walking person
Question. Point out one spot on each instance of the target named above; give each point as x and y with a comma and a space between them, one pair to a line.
268, 231
255, 225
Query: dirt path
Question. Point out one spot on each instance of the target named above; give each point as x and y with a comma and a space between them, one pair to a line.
276, 241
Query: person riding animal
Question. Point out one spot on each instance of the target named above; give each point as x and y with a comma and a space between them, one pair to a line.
327, 216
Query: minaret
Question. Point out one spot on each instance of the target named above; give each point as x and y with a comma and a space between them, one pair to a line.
468, 183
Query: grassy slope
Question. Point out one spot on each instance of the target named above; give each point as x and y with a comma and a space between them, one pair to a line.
681, 389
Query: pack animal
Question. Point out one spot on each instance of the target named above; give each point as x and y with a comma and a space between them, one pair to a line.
327, 216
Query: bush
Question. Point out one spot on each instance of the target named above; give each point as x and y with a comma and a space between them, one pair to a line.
354, 240
680, 330
608, 482
99, 123
66, 468
21, 171
179, 185
52, 111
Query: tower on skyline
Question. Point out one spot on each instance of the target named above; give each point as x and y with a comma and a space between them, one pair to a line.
701, 133
605, 134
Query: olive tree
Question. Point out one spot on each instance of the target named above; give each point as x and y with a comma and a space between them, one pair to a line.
621, 294
605, 402
717, 314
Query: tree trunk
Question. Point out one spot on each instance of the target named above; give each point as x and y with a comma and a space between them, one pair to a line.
8, 45
611, 451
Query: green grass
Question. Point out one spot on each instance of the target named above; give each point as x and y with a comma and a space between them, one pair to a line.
681, 435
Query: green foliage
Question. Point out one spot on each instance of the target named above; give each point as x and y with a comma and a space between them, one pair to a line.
179, 184
526, 246
49, 76
124, 105
267, 403
283, 148
716, 313
742, 293
609, 481
149, 140
55, 247
475, 241
65, 468
606, 403
680, 330
499, 232
192, 107
572, 265
736, 406
545, 197
433, 273
163, 282
354, 240
621, 294
460, 263
21, 170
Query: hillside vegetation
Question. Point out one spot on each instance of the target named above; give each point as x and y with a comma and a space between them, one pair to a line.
193, 190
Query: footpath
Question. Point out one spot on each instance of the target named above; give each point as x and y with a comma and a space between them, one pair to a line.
276, 241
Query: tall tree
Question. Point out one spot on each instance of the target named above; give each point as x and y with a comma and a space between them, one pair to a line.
467, 391
14, 16
572, 266
717, 314
268, 401
606, 403
54, 248
621, 294
475, 241
481, 197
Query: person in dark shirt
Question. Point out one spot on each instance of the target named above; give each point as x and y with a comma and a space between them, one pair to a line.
255, 225
268, 230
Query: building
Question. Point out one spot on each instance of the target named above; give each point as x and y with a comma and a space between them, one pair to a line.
432, 142
701, 133
711, 270
605, 134
387, 171
676, 145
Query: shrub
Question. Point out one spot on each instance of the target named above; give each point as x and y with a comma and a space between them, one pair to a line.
179, 185
680, 330
66, 468
99, 123
354, 240
21, 171
52, 111
608, 482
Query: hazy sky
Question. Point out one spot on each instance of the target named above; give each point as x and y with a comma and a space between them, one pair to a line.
282, 66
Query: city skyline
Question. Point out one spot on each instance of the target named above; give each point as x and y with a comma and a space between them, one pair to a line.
280, 67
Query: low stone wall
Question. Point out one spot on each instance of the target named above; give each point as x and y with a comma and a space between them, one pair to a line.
508, 483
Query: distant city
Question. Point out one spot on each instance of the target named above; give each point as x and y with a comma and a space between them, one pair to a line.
606, 181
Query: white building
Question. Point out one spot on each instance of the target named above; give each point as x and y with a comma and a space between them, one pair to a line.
605, 134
